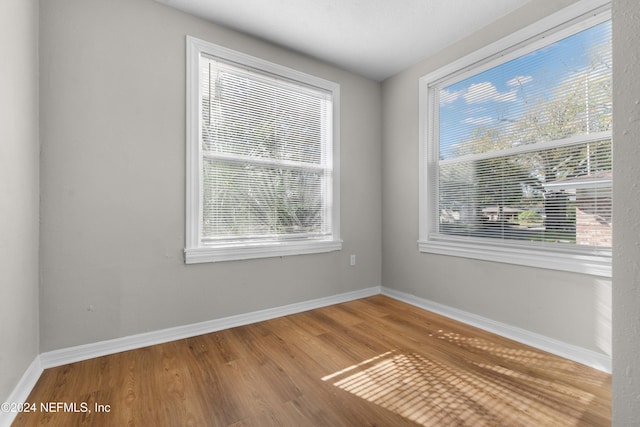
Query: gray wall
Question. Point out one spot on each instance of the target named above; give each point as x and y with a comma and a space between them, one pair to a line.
569, 307
113, 178
626, 232
18, 190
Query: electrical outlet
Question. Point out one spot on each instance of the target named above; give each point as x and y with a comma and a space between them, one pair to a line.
352, 260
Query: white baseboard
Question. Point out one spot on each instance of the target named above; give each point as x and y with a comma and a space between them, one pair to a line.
587, 357
21, 391
88, 351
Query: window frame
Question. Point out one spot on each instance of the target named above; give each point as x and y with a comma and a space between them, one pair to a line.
196, 250
549, 256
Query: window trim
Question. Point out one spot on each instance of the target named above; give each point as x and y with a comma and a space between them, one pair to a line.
195, 250
556, 257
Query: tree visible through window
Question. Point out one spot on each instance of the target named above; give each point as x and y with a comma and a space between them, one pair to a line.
519, 151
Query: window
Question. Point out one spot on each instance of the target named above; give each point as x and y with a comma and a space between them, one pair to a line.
516, 149
262, 158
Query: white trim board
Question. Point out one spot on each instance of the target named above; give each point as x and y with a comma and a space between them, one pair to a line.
572, 352
64, 356
21, 392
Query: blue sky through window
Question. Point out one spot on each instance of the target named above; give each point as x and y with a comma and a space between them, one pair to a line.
498, 97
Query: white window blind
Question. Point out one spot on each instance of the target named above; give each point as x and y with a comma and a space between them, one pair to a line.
266, 160
266, 168
518, 151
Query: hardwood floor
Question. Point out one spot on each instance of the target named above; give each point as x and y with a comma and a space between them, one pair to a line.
370, 362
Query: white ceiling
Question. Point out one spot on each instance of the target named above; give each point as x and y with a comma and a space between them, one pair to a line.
374, 38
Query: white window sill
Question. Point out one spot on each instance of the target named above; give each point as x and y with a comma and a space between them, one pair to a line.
596, 265
229, 252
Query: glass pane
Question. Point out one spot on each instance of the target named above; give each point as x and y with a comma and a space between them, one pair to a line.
243, 114
560, 90
244, 200
554, 195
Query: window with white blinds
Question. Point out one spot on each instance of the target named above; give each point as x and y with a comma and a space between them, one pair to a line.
516, 152
263, 157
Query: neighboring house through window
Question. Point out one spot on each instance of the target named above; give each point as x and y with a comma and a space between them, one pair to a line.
516, 148
262, 158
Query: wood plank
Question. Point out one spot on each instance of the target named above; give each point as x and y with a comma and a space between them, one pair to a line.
374, 361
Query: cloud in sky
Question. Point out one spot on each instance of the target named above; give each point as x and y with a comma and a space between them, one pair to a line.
486, 91
447, 97
478, 120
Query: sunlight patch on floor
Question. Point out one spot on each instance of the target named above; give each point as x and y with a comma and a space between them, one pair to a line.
432, 393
